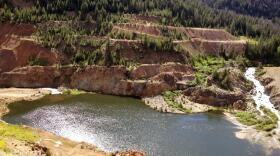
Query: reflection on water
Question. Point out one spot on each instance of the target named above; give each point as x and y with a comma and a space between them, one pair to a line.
116, 123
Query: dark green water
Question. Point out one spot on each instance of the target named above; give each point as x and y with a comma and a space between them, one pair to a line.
116, 123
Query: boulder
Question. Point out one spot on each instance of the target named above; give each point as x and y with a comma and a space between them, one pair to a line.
232, 79
213, 96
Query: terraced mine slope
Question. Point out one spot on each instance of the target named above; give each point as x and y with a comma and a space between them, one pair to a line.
179, 56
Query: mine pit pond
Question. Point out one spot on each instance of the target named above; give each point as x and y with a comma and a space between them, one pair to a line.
117, 123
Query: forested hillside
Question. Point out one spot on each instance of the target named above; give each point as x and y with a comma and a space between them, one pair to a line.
260, 8
188, 13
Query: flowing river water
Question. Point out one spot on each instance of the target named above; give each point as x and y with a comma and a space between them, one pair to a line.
119, 123
260, 97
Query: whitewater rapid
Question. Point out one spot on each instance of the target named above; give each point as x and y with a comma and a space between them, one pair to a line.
53, 91
260, 97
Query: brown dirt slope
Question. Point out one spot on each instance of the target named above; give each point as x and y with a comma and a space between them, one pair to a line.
145, 80
133, 51
200, 40
271, 80
22, 3
17, 47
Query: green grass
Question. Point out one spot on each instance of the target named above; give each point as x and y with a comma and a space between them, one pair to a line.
263, 123
169, 98
268, 122
191, 83
246, 118
17, 132
3, 146
73, 92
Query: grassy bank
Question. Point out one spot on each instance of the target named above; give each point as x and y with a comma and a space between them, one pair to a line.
16, 132
268, 122
170, 99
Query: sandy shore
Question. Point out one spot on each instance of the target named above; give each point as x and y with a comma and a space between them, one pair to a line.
10, 95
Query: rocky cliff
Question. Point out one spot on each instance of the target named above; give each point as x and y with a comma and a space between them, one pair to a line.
145, 80
271, 81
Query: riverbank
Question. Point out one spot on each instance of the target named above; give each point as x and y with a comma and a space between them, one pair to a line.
45, 143
10, 95
271, 81
268, 140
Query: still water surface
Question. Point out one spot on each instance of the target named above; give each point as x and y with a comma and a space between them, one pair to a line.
118, 123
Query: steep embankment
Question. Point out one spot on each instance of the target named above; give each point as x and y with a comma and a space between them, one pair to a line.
193, 40
17, 48
271, 80
145, 80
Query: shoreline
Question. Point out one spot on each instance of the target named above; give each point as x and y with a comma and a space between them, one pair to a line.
11, 95
269, 143
49, 142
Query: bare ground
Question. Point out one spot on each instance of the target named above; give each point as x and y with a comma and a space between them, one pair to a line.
271, 81
10, 95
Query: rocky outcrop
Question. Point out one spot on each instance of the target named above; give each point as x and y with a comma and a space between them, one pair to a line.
37, 77
17, 49
271, 81
214, 96
7, 60
147, 71
231, 79
115, 80
134, 51
98, 79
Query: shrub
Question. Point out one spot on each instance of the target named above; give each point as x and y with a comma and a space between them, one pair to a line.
170, 99
38, 62
264, 123
205, 66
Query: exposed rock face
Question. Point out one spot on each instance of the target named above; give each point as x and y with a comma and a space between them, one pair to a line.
239, 105
134, 51
232, 79
17, 48
114, 80
99, 79
205, 41
6, 61
36, 77
214, 96
150, 70
271, 81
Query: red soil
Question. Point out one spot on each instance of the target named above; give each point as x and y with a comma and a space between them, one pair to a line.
22, 3
202, 40
209, 34
17, 48
135, 52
